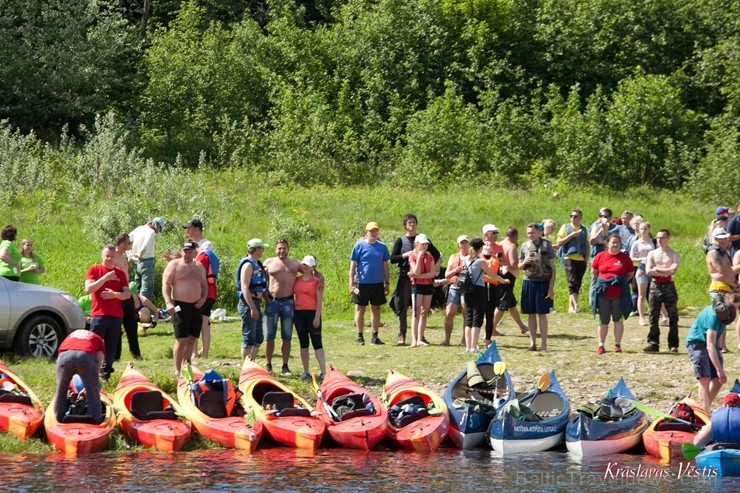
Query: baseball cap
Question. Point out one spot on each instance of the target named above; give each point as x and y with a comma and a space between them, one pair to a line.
159, 222
421, 238
309, 260
256, 243
720, 233
190, 245
193, 223
371, 225
721, 210
490, 227
731, 400
462, 238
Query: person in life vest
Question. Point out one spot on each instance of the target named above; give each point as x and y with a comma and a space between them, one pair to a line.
725, 424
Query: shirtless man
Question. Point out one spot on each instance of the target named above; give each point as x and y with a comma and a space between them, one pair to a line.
509, 271
130, 317
281, 272
661, 265
184, 289
723, 277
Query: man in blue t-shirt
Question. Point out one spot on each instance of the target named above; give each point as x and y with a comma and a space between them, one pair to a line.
368, 280
701, 343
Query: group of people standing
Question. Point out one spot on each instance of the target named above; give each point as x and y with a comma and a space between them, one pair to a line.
19, 265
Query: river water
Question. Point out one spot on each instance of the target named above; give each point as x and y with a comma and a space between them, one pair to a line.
327, 470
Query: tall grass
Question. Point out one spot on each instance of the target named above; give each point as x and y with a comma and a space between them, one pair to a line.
79, 199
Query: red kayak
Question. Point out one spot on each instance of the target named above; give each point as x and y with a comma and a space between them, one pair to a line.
287, 418
21, 412
354, 417
664, 438
418, 417
78, 435
227, 431
149, 416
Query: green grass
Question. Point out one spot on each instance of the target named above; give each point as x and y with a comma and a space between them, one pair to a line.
325, 222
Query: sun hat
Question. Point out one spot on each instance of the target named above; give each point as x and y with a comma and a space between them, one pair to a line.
309, 260
724, 310
462, 238
256, 243
421, 238
490, 227
159, 222
371, 226
720, 233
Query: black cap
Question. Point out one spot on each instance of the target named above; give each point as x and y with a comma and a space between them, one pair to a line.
476, 243
193, 223
190, 245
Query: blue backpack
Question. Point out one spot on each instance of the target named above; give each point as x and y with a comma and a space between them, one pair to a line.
215, 264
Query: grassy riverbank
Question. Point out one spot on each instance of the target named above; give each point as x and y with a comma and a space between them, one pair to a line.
657, 379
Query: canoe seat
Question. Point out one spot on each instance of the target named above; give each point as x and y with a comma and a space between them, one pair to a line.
277, 400
79, 418
295, 411
674, 426
356, 414
16, 398
405, 412
145, 402
211, 403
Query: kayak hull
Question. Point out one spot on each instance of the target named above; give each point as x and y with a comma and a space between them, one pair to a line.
664, 438
20, 419
76, 439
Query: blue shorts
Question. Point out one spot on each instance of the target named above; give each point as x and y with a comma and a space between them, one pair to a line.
454, 295
534, 297
282, 309
252, 332
703, 367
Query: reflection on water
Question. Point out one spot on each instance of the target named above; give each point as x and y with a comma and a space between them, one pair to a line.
289, 470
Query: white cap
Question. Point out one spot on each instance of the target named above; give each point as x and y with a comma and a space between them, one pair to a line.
489, 227
720, 233
462, 238
309, 260
421, 238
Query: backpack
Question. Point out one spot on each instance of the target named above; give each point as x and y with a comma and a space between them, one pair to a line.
214, 265
464, 281
683, 411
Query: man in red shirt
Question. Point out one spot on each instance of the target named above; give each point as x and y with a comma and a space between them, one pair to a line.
108, 286
81, 353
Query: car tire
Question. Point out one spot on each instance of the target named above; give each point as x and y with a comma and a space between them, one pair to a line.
40, 335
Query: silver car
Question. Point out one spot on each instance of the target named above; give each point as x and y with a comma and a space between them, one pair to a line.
35, 319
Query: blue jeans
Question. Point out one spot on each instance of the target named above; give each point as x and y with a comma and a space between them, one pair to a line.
144, 276
284, 310
252, 332
85, 365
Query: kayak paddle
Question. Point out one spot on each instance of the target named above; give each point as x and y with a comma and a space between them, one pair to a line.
658, 414
330, 410
690, 450
499, 368
543, 383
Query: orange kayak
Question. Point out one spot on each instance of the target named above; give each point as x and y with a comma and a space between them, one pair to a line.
230, 431
21, 412
149, 416
664, 437
422, 420
287, 418
364, 422
75, 439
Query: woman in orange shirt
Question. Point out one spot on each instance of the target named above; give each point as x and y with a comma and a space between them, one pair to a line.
422, 271
309, 295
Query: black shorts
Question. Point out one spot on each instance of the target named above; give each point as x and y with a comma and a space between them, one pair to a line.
207, 306
370, 293
422, 289
187, 322
506, 291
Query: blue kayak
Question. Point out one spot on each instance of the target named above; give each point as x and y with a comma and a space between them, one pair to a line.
614, 426
472, 407
726, 462
531, 424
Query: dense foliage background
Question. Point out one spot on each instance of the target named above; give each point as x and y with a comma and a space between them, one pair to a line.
611, 93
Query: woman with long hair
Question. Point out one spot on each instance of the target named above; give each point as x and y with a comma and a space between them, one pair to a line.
31, 264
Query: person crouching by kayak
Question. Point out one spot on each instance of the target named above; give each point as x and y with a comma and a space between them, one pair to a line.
701, 343
725, 424
81, 353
